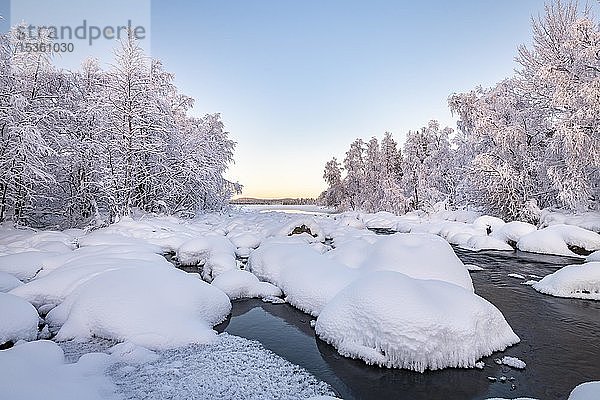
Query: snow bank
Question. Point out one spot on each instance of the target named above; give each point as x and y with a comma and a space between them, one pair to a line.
556, 239
239, 284
155, 308
489, 223
37, 370
392, 320
19, 319
586, 391
575, 281
8, 282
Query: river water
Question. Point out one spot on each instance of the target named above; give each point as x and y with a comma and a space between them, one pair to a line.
560, 341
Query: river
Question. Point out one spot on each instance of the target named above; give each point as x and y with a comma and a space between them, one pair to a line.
560, 341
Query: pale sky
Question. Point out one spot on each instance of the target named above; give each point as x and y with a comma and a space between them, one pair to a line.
296, 82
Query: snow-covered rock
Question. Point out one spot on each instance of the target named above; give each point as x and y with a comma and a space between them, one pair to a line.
296, 224
418, 255
155, 308
19, 319
556, 239
239, 284
576, 281
8, 282
511, 232
392, 320
37, 370
586, 391
489, 223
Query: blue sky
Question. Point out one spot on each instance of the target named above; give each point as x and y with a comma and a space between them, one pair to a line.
297, 81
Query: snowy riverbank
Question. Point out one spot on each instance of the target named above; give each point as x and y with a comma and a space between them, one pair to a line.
115, 283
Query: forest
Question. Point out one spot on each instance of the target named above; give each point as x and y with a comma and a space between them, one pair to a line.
94, 145
530, 142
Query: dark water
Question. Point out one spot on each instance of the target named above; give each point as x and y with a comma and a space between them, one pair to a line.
560, 341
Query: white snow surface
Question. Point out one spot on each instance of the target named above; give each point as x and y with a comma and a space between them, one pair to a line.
307, 278
19, 319
390, 319
555, 239
37, 370
25, 265
586, 391
215, 253
164, 308
575, 281
418, 255
8, 282
239, 284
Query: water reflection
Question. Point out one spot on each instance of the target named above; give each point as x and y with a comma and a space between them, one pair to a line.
559, 341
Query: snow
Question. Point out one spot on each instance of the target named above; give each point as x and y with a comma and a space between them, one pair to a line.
214, 252
24, 265
37, 370
389, 319
8, 282
417, 255
239, 284
585, 220
487, 221
155, 308
513, 231
481, 242
595, 256
316, 231
556, 239
586, 391
59, 282
513, 362
473, 268
230, 368
19, 319
308, 278
517, 276
575, 281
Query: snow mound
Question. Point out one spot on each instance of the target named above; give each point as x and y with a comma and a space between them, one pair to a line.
481, 242
489, 222
58, 283
586, 391
392, 320
557, 239
19, 319
575, 281
308, 278
418, 255
215, 253
154, 308
239, 284
380, 220
8, 282
511, 232
37, 370
25, 265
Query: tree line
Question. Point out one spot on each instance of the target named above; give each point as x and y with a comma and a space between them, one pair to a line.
94, 144
532, 141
